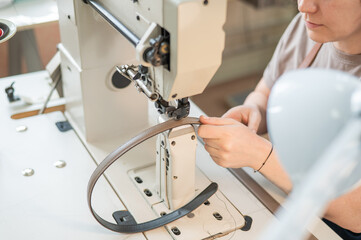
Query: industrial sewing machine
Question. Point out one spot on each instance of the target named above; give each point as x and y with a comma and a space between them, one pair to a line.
169, 50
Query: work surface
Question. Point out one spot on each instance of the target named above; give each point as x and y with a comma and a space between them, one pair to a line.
51, 204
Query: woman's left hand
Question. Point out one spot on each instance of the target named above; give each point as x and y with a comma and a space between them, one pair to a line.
231, 144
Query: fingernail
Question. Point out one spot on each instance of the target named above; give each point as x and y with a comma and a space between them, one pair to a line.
205, 117
254, 131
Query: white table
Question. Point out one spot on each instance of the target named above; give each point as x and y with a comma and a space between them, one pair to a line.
52, 203
27, 14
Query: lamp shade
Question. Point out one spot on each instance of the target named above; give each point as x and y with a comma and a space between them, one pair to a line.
7, 30
307, 109
5, 3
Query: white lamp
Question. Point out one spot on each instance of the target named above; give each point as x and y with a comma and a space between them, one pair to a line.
5, 3
7, 30
314, 121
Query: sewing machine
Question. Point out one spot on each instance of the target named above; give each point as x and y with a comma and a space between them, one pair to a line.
126, 66
167, 65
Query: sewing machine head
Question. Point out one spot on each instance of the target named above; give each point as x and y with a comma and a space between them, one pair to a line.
170, 49
178, 56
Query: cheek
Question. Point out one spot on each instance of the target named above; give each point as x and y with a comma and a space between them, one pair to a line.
348, 27
343, 18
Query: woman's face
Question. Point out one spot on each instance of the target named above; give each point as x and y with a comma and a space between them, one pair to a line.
332, 20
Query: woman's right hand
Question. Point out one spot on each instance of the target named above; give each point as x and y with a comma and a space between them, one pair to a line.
249, 115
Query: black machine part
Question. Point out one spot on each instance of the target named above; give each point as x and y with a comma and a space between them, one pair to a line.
177, 113
10, 93
158, 53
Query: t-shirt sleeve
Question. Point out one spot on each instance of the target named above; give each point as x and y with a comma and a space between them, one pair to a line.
289, 52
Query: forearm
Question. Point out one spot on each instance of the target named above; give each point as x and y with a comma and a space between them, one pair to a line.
345, 211
274, 172
272, 169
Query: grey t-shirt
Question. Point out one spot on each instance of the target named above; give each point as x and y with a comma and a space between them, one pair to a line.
294, 47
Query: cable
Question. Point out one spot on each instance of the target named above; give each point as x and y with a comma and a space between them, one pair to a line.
57, 80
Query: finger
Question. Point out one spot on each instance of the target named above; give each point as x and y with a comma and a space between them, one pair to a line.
254, 121
212, 151
244, 119
210, 131
217, 160
214, 143
217, 121
234, 114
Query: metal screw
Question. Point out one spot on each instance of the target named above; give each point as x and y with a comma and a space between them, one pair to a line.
207, 203
162, 213
21, 128
174, 96
175, 177
138, 179
173, 143
176, 231
218, 216
60, 164
147, 192
193, 137
138, 18
27, 172
190, 215
205, 2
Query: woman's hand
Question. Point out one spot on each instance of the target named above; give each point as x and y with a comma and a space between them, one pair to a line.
249, 115
253, 112
231, 144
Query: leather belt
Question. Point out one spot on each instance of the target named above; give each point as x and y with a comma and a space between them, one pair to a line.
127, 223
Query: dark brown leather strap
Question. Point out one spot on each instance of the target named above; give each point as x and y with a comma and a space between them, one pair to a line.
131, 226
311, 56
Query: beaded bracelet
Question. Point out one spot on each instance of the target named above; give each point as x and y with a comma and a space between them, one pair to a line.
265, 160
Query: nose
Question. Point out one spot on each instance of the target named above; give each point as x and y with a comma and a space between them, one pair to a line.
307, 6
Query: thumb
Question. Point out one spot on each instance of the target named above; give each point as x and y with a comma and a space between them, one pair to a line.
234, 113
217, 121
254, 121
